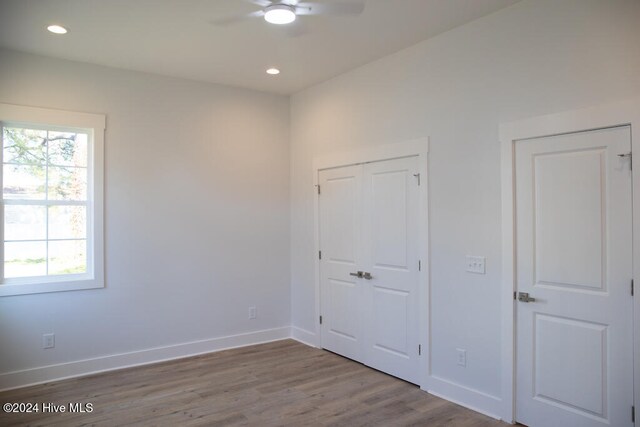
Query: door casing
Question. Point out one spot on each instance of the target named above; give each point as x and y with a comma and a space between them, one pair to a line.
419, 148
604, 116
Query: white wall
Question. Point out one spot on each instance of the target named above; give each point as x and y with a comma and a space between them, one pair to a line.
196, 215
534, 58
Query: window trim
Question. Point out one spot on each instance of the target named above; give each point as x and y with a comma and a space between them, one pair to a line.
94, 125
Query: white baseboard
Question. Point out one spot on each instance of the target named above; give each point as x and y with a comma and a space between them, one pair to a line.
475, 400
33, 376
304, 336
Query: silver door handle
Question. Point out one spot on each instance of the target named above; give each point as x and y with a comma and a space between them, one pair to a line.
524, 297
368, 275
358, 274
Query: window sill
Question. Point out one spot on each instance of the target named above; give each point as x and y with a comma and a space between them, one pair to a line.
12, 289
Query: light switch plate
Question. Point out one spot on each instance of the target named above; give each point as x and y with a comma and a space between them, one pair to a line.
476, 264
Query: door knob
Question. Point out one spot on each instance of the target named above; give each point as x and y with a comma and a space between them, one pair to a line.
358, 274
524, 297
368, 275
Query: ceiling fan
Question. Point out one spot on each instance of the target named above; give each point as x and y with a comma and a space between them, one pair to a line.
281, 12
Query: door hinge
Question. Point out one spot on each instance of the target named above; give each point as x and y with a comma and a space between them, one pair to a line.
417, 175
631, 287
321, 320
419, 349
633, 414
514, 295
630, 156
318, 188
319, 254
419, 265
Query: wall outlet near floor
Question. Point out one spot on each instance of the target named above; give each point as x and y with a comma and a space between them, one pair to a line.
476, 264
462, 357
48, 340
253, 313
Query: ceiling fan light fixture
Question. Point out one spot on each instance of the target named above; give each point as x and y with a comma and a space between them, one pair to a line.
280, 14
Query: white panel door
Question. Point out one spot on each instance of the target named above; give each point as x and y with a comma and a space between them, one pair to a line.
574, 342
368, 219
341, 293
390, 245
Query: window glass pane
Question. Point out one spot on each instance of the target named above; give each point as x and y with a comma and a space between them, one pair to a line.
67, 183
24, 259
68, 257
67, 222
68, 149
23, 182
24, 146
23, 222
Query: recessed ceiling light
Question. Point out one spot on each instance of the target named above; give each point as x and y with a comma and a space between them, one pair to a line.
57, 29
273, 71
280, 14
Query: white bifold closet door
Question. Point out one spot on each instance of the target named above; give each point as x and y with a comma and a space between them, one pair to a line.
368, 219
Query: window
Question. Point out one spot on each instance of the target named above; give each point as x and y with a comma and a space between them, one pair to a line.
52, 226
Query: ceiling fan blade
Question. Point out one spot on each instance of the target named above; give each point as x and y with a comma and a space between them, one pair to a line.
261, 3
333, 8
234, 19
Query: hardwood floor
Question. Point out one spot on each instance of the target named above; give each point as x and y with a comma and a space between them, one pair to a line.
283, 383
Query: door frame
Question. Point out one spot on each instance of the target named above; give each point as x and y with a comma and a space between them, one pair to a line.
620, 113
419, 148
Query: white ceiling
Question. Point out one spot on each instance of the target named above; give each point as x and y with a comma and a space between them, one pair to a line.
177, 38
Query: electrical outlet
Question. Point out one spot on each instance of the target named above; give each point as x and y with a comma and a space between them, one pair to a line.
48, 340
476, 264
253, 313
462, 357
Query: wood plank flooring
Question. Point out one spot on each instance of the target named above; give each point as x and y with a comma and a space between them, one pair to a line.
282, 383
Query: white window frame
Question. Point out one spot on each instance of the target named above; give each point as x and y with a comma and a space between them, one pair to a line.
94, 126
